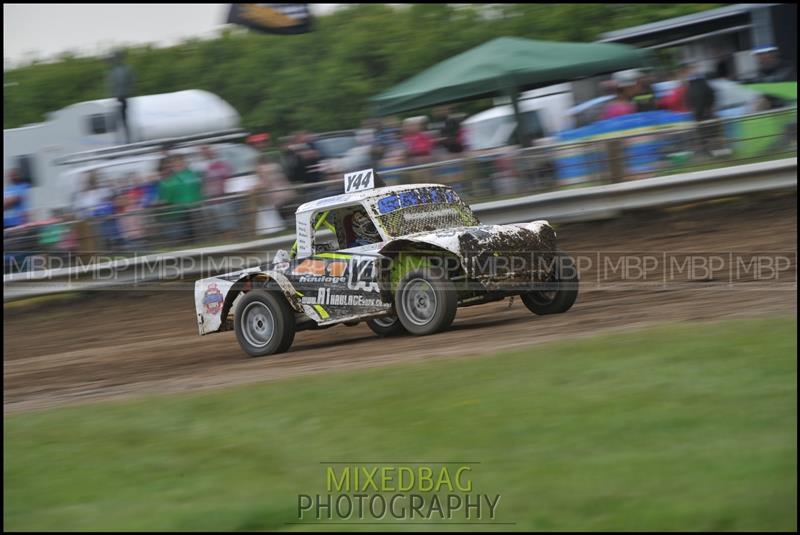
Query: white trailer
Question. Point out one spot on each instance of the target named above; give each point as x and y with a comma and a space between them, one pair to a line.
544, 111
34, 150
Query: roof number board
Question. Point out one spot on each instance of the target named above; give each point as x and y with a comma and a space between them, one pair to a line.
359, 181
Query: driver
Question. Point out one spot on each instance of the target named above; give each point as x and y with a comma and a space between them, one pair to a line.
363, 230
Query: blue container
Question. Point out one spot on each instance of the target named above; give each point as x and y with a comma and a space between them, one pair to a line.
642, 153
579, 164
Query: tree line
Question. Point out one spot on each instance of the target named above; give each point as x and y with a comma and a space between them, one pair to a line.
321, 80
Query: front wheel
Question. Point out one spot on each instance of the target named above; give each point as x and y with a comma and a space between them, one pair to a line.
425, 303
264, 323
387, 326
559, 294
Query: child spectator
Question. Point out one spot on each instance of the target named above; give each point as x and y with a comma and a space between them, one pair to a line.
130, 221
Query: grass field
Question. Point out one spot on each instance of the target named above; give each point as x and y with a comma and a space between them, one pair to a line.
681, 427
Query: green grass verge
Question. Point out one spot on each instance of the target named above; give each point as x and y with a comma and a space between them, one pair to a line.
681, 427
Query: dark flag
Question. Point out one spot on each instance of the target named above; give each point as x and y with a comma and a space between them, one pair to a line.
272, 18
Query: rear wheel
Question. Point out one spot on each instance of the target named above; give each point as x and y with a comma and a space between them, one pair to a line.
559, 294
387, 326
425, 303
264, 323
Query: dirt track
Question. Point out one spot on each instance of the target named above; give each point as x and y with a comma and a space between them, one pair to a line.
123, 344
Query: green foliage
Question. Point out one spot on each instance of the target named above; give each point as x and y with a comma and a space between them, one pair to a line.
321, 80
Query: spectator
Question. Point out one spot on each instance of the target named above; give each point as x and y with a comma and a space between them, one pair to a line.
377, 145
771, 68
393, 160
131, 221
274, 193
180, 190
147, 190
676, 100
69, 238
56, 237
358, 157
163, 172
448, 132
215, 173
387, 135
94, 200
699, 94
418, 143
622, 104
182, 186
262, 144
163, 163
121, 80
301, 160
645, 97
700, 98
15, 200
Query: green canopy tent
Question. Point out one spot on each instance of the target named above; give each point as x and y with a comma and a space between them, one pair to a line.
506, 66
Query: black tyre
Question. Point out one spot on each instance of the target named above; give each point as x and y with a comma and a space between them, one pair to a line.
264, 323
559, 294
387, 326
425, 303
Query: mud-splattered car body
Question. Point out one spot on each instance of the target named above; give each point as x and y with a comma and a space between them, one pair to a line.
342, 281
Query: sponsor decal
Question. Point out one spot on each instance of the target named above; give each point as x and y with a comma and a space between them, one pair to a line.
320, 268
415, 197
326, 297
316, 279
212, 299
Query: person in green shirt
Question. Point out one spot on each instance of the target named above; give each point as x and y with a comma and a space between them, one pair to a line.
181, 190
182, 186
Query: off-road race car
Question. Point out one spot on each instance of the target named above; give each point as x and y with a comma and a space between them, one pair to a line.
400, 258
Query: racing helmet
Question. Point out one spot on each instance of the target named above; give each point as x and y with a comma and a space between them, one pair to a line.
363, 227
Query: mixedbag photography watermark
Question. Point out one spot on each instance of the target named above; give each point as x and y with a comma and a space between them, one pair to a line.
421, 492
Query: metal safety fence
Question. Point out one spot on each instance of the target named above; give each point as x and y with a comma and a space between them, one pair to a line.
493, 175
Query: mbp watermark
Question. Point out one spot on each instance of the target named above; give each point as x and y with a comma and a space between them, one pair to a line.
479, 270
408, 492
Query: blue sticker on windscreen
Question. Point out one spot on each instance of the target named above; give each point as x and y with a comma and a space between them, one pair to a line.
416, 197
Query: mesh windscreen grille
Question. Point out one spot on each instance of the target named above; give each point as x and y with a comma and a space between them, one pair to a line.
427, 218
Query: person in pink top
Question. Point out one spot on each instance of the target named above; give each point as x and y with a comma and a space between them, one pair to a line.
417, 142
623, 102
617, 108
216, 172
621, 105
677, 99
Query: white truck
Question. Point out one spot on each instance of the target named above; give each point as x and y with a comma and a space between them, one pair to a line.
34, 150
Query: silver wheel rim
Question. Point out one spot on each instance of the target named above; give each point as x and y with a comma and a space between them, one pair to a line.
387, 321
419, 301
258, 324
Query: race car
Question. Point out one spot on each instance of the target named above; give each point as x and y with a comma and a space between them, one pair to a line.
401, 258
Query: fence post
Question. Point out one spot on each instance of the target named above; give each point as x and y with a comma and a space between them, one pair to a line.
615, 148
85, 237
